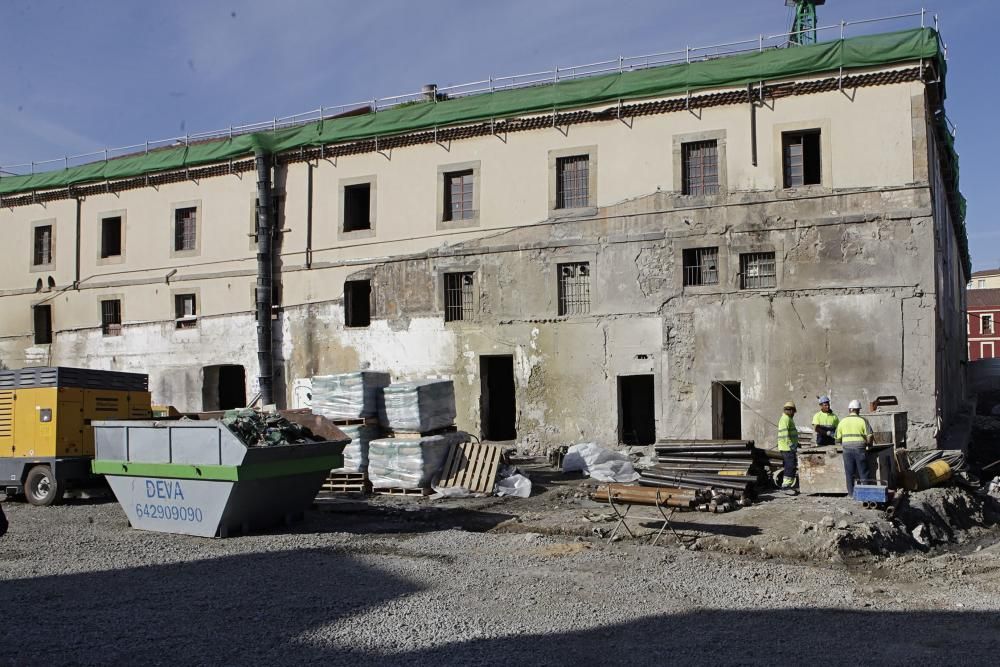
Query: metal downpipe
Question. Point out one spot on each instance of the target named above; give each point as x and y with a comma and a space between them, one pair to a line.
265, 269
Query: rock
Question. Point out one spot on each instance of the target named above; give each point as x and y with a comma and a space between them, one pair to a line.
920, 534
842, 525
827, 522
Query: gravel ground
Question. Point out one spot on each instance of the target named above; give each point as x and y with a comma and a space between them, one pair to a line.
357, 584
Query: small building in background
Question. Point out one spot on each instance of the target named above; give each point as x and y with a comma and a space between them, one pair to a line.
983, 311
985, 279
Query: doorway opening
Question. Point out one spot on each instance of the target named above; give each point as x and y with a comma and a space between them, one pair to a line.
727, 420
224, 387
497, 403
636, 410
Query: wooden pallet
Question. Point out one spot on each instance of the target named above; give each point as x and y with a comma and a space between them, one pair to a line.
403, 492
472, 466
392, 433
347, 482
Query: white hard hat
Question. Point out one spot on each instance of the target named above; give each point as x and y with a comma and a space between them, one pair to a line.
824, 399
854, 405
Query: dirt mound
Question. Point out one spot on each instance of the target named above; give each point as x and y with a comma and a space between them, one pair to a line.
947, 515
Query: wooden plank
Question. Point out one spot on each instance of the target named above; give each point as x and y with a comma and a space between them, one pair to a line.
474, 460
402, 492
489, 480
449, 461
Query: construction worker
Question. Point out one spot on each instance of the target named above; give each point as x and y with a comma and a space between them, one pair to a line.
788, 442
854, 433
825, 422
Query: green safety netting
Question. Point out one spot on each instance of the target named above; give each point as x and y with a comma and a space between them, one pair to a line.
855, 52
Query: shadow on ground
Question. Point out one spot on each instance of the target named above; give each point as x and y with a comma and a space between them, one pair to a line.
277, 607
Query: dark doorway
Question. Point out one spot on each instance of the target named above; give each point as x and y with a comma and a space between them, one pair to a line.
727, 423
497, 405
636, 410
224, 388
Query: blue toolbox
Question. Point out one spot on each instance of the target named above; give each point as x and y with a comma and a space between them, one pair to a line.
871, 492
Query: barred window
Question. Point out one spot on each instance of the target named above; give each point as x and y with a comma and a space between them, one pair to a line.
185, 228
111, 317
987, 323
43, 245
458, 296
574, 288
757, 270
573, 181
800, 159
185, 311
458, 200
701, 266
700, 167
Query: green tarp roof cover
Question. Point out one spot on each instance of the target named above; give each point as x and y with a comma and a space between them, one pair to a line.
736, 70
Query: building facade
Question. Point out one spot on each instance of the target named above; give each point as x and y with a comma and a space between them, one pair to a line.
985, 279
657, 264
984, 333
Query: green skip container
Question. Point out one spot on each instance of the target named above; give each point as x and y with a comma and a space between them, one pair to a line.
198, 478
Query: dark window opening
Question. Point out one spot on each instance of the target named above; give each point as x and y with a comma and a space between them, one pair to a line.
224, 387
458, 296
111, 237
458, 200
42, 245
636, 410
498, 406
111, 317
186, 228
357, 303
700, 167
574, 288
801, 159
357, 207
726, 416
701, 266
757, 270
43, 324
185, 311
573, 181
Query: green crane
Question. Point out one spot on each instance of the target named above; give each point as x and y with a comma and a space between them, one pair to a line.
804, 24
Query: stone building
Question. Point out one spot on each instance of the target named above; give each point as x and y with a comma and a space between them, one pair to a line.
663, 251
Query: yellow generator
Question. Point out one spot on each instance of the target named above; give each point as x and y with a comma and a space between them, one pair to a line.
46, 437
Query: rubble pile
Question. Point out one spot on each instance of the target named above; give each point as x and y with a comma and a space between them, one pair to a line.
261, 430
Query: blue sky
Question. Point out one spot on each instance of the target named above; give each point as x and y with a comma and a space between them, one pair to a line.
80, 76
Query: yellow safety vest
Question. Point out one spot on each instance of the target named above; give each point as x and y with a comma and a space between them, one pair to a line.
853, 431
826, 419
788, 435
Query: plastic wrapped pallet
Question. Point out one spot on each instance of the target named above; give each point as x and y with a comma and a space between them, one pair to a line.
356, 453
349, 395
409, 463
420, 406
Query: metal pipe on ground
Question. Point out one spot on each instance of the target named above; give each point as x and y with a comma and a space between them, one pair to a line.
703, 441
705, 459
697, 486
646, 496
721, 447
700, 475
683, 480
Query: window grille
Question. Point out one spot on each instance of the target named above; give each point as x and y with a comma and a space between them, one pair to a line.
111, 317
757, 270
458, 190
458, 297
701, 168
987, 322
574, 288
43, 245
185, 310
701, 266
185, 228
573, 181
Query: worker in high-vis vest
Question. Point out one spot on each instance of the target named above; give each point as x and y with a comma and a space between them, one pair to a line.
854, 434
788, 443
825, 423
